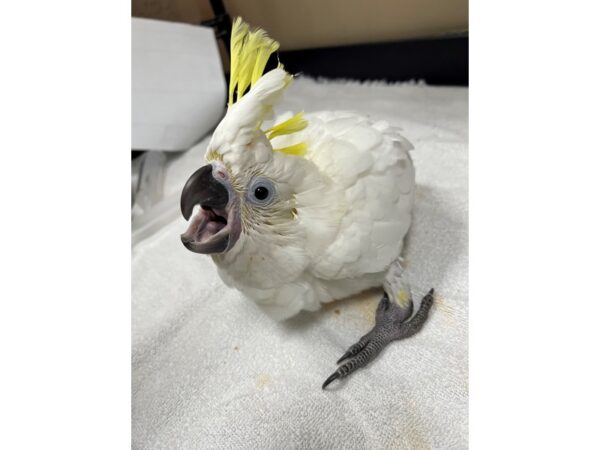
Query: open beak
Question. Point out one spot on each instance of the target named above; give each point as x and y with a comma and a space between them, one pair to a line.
209, 231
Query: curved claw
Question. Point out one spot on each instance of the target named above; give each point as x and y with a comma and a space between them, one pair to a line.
346, 355
334, 376
366, 354
356, 348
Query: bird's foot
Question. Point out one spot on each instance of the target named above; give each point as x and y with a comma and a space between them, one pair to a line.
390, 325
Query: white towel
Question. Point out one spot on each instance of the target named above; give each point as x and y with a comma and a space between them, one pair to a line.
211, 371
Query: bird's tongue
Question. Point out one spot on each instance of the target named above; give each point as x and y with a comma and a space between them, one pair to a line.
205, 224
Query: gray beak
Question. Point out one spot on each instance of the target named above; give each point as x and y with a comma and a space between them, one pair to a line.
209, 231
203, 189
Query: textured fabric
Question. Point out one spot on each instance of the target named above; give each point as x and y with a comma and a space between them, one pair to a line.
210, 370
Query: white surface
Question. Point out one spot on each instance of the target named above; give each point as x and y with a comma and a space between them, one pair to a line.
211, 371
178, 88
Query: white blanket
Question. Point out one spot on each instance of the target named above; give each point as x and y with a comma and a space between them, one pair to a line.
211, 371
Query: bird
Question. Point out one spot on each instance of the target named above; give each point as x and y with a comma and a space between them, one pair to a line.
304, 209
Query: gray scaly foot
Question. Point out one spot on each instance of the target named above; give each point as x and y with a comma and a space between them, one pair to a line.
390, 325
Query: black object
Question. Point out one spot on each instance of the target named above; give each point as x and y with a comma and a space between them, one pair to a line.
221, 22
438, 61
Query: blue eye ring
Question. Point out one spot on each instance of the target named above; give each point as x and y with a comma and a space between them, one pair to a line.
261, 191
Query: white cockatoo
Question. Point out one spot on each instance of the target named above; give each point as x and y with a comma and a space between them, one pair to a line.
312, 209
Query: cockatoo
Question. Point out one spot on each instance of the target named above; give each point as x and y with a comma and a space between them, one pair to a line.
309, 210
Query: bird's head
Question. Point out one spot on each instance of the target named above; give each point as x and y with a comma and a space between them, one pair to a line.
247, 185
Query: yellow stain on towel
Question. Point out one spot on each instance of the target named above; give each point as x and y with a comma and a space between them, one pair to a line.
365, 304
447, 311
263, 380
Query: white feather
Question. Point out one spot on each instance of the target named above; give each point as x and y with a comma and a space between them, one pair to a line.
353, 193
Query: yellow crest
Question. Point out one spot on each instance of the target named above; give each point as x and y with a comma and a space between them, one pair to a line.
250, 52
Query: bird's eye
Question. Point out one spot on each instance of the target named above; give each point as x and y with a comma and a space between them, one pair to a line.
261, 191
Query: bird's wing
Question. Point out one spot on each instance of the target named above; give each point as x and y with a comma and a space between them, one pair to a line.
369, 163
